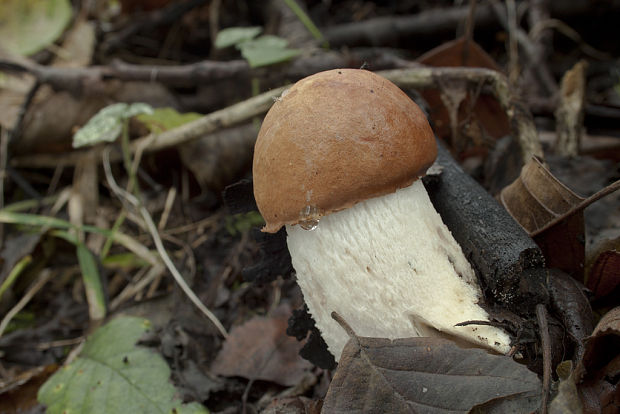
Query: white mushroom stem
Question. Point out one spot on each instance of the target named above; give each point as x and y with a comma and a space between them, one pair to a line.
391, 269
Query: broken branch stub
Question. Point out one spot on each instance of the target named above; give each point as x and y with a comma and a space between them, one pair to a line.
510, 266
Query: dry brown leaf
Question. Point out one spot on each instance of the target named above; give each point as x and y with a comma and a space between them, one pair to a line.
19, 395
599, 369
483, 114
570, 303
552, 215
260, 350
430, 375
293, 405
603, 270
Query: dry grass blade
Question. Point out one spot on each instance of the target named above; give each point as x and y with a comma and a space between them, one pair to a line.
152, 228
45, 276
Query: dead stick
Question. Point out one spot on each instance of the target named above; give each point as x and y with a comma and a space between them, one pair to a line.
521, 119
508, 263
541, 315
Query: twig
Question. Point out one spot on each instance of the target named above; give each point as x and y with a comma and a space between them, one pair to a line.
4, 144
343, 324
420, 77
152, 228
61, 342
513, 50
521, 120
43, 278
385, 30
543, 74
170, 197
153, 142
541, 47
200, 73
469, 30
541, 315
571, 33
585, 203
133, 288
151, 20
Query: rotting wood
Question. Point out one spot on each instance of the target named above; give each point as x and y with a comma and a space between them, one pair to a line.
510, 266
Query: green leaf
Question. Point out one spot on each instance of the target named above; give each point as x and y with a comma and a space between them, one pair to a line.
92, 283
113, 375
163, 119
235, 35
266, 50
28, 26
107, 124
123, 261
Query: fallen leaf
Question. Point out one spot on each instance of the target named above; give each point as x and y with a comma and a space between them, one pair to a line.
260, 350
20, 393
113, 375
599, 370
293, 405
430, 375
30, 26
482, 113
537, 197
567, 400
552, 215
571, 305
603, 269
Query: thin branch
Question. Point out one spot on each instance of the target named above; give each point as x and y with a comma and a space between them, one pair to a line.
212, 122
420, 77
541, 315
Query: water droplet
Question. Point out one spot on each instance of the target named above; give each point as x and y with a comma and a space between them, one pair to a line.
309, 224
309, 217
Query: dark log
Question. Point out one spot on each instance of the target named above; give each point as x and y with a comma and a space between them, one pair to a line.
509, 265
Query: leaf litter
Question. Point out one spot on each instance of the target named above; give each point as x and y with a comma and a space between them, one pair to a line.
568, 300
431, 375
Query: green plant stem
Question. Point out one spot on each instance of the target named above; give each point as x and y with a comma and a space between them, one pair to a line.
14, 274
305, 19
115, 227
127, 156
43, 221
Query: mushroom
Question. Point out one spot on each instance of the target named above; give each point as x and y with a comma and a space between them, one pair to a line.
337, 161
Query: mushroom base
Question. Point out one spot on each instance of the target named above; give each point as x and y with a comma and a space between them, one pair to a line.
391, 269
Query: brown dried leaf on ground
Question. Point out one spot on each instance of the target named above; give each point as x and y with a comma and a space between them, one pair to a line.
19, 394
260, 350
483, 114
603, 269
571, 305
552, 215
293, 405
430, 375
599, 370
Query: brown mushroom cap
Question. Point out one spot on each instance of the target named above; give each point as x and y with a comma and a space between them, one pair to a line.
334, 139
